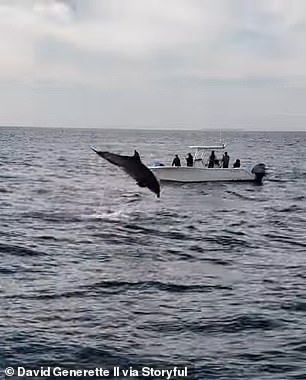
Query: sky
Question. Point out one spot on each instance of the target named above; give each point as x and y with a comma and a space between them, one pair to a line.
181, 64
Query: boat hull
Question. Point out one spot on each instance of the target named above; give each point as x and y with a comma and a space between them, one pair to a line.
194, 174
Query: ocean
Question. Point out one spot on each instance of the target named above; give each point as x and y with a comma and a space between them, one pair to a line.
96, 272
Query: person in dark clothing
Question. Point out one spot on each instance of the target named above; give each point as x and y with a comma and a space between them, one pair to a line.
176, 161
189, 160
225, 160
212, 159
237, 163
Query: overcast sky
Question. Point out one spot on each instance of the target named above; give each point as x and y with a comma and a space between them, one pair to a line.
153, 63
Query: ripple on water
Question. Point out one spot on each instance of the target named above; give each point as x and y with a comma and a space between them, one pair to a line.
19, 250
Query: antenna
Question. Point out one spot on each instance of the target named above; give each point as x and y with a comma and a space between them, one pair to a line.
222, 143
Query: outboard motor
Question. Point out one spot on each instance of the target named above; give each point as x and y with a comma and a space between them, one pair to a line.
260, 171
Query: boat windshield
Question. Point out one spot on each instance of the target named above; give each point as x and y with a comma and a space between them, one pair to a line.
202, 154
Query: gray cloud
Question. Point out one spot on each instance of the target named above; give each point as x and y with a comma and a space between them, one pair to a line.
174, 63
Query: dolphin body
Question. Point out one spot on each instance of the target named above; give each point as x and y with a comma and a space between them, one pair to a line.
133, 166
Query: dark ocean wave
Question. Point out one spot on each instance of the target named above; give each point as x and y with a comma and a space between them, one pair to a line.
288, 209
233, 325
52, 217
121, 287
246, 197
19, 250
297, 306
288, 240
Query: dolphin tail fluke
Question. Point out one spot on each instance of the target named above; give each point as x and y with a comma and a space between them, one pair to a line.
116, 159
94, 149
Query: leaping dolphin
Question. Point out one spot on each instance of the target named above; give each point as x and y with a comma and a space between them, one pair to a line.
133, 166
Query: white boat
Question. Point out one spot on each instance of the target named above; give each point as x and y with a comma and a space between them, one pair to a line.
201, 172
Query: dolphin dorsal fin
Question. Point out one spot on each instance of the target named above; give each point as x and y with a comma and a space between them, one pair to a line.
136, 155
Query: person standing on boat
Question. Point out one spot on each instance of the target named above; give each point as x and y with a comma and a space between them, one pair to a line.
225, 160
212, 159
189, 160
176, 161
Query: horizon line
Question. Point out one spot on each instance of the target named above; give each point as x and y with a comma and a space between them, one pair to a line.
147, 128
